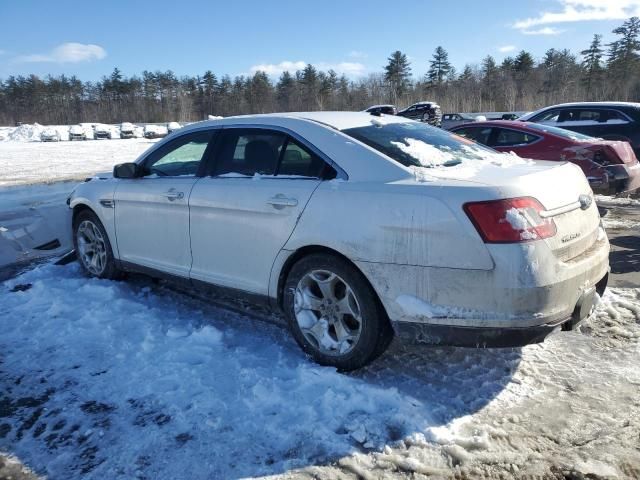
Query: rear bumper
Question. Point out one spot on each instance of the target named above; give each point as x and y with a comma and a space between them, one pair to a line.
621, 179
496, 337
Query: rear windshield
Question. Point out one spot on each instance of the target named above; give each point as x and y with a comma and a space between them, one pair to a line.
418, 144
560, 132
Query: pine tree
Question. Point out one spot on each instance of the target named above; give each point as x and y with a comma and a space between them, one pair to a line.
523, 63
439, 67
592, 63
397, 73
623, 53
285, 92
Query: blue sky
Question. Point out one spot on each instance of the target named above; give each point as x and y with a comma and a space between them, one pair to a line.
88, 39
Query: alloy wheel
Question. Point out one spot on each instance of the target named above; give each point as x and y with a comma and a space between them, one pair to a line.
92, 249
327, 312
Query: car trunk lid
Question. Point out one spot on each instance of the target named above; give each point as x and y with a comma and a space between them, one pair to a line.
561, 188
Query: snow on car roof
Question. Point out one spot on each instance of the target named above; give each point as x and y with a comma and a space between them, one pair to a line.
337, 120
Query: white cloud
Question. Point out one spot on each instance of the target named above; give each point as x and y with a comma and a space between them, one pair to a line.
348, 68
507, 48
583, 10
68, 53
357, 54
543, 31
278, 68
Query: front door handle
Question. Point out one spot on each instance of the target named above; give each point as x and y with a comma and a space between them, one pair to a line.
280, 201
173, 195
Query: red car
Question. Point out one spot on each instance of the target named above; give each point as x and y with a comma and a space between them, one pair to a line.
610, 165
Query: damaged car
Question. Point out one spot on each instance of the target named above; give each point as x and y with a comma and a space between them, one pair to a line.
610, 166
358, 228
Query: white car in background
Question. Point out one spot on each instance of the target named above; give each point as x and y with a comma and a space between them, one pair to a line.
173, 126
50, 135
127, 130
102, 132
77, 132
358, 227
155, 131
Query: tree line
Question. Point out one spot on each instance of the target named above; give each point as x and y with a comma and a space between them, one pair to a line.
520, 82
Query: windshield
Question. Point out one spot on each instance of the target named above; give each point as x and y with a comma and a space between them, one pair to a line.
560, 132
419, 145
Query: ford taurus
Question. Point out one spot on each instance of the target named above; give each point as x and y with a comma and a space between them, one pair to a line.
359, 228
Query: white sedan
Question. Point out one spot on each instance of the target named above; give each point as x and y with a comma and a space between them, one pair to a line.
357, 227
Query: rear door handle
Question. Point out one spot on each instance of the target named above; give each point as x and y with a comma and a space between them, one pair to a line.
280, 201
173, 195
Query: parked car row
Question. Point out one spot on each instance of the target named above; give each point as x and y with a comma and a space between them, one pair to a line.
427, 112
603, 138
99, 131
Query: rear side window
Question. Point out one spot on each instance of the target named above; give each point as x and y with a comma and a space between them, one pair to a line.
477, 134
298, 161
508, 138
249, 152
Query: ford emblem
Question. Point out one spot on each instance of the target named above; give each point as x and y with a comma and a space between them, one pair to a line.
585, 201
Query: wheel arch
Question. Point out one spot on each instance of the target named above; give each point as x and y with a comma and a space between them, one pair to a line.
79, 208
307, 250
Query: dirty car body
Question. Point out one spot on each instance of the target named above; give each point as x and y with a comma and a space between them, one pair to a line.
454, 243
610, 166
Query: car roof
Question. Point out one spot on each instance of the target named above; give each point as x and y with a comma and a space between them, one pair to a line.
583, 105
335, 120
594, 104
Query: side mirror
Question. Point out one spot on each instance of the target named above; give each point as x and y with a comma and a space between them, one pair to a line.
127, 170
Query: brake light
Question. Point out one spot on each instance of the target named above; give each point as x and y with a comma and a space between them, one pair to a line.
510, 220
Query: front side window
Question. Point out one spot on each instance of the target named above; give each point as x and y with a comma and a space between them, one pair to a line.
419, 145
249, 152
507, 138
548, 116
181, 157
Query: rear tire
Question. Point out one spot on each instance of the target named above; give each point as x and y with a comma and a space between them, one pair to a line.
93, 247
334, 314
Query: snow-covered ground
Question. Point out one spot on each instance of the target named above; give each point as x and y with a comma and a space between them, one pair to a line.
103, 379
26, 163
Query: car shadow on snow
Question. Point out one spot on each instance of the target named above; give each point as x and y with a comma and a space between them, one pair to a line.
246, 402
626, 258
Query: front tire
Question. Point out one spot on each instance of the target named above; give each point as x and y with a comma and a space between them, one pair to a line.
334, 314
93, 248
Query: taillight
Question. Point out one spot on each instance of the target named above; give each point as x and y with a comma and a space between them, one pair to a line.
510, 220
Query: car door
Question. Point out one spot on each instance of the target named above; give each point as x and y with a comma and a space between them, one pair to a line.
152, 212
243, 214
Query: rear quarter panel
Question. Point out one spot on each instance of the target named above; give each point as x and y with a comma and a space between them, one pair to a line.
392, 223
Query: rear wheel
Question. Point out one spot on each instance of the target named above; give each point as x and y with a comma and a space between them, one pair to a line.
334, 314
92, 245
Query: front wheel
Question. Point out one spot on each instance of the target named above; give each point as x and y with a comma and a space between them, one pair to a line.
92, 245
334, 314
